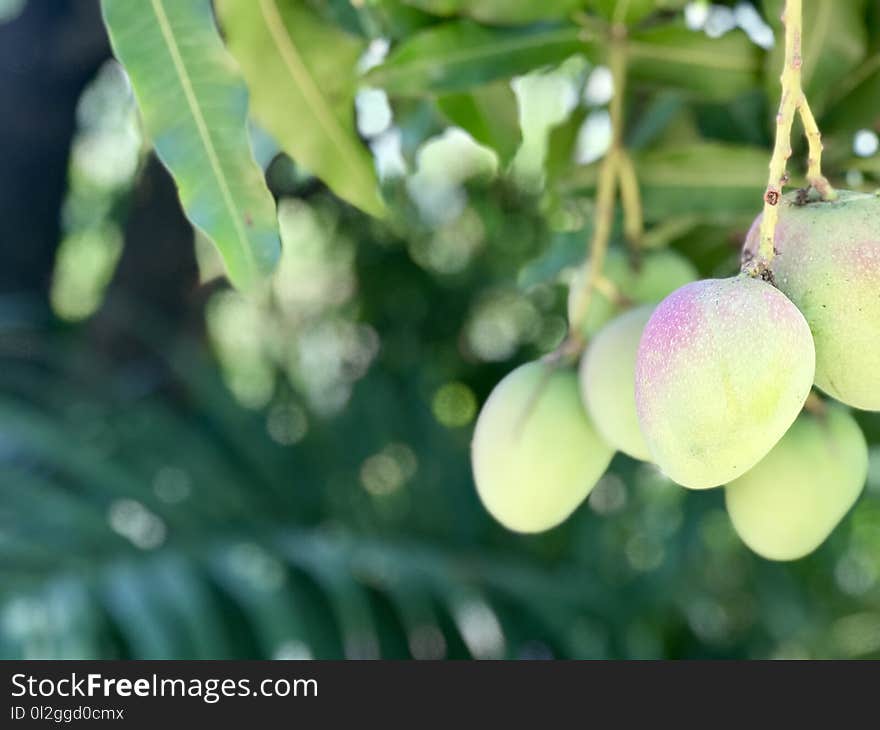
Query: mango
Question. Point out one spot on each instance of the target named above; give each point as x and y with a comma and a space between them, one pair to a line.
723, 369
828, 264
607, 376
787, 505
535, 454
658, 273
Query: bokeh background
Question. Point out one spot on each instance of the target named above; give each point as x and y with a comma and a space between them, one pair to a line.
186, 474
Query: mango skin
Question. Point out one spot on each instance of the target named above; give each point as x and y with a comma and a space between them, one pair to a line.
723, 369
787, 505
828, 264
607, 376
660, 273
535, 454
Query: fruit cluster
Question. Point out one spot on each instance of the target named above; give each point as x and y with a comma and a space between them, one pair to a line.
710, 384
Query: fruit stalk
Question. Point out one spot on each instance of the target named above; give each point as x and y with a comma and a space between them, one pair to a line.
792, 100
606, 187
630, 199
814, 139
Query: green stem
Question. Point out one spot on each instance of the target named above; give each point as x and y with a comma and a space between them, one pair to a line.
605, 190
792, 100
814, 139
630, 200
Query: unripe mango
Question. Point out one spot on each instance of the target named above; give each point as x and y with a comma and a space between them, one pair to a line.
658, 273
828, 264
723, 369
607, 377
535, 454
787, 505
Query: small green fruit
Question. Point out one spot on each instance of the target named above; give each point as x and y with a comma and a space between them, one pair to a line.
828, 264
787, 505
535, 454
723, 369
607, 377
659, 273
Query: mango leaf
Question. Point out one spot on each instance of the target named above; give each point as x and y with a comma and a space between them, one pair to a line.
719, 182
299, 70
561, 145
566, 249
834, 42
854, 102
672, 56
651, 122
501, 12
459, 55
194, 107
489, 114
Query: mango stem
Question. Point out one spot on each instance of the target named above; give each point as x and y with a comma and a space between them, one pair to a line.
605, 190
792, 100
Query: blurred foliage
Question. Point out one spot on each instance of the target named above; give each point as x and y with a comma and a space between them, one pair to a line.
296, 482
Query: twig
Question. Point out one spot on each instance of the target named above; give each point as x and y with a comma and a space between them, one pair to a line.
792, 100
605, 190
630, 200
814, 139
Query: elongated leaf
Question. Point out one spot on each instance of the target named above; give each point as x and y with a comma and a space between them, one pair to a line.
716, 180
833, 44
459, 55
854, 102
673, 56
503, 12
489, 113
720, 182
301, 74
194, 106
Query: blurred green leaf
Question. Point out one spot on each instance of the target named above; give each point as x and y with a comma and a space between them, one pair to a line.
672, 56
489, 114
834, 42
502, 12
566, 248
459, 55
194, 107
853, 102
654, 118
716, 181
302, 94
561, 145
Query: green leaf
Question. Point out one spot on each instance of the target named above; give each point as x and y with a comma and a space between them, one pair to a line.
300, 72
561, 145
502, 12
489, 114
653, 120
194, 106
566, 248
854, 103
834, 42
719, 182
459, 55
672, 56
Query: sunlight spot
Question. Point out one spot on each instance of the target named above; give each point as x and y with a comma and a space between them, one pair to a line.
480, 628
287, 423
292, 650
136, 523
454, 405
